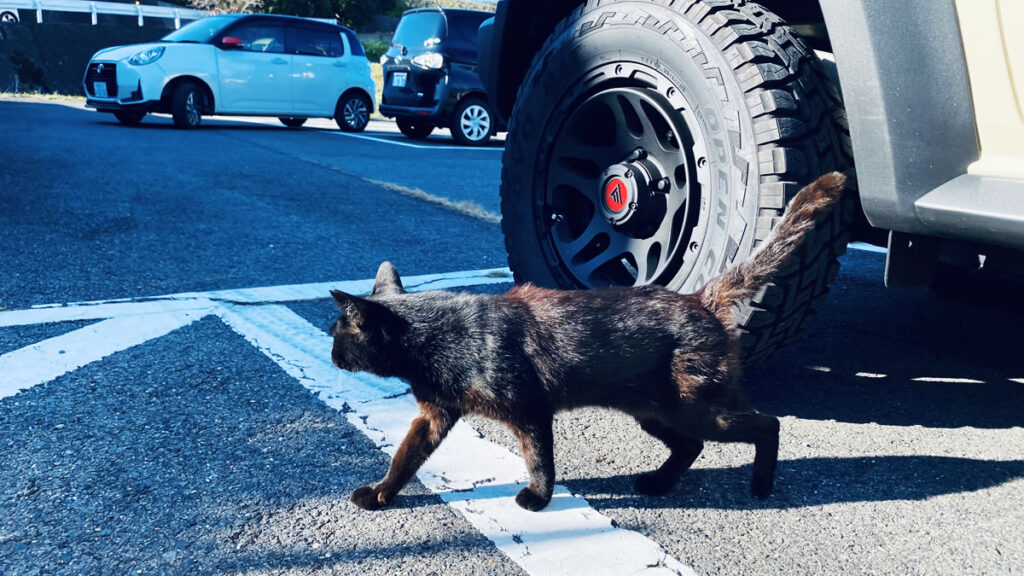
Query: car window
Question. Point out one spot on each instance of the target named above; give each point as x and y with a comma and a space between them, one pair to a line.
353, 42
315, 41
419, 30
201, 30
462, 35
260, 36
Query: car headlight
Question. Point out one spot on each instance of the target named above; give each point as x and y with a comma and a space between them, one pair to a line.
383, 59
147, 56
431, 60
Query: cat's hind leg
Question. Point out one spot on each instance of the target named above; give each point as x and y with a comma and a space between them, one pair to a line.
424, 436
760, 430
684, 450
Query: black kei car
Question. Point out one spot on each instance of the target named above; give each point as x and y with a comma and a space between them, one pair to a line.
430, 76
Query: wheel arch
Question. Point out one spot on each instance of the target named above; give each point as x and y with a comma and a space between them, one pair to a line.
168, 93
909, 136
357, 90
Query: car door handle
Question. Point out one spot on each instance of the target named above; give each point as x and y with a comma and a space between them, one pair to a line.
278, 61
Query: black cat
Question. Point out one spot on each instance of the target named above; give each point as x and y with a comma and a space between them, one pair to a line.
670, 360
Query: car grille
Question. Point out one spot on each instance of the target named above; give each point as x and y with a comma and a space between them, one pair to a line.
107, 75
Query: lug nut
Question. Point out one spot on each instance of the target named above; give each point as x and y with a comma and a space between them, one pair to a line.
663, 185
638, 153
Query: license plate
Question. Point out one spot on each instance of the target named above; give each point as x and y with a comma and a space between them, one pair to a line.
398, 79
99, 89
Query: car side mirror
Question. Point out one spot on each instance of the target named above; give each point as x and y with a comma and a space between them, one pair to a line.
230, 42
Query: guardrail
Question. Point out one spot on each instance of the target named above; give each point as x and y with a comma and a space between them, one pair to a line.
112, 8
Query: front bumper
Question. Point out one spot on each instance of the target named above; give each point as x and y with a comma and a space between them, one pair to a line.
117, 86
115, 106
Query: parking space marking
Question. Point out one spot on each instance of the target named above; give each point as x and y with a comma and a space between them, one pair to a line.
396, 142
54, 357
471, 474
125, 323
865, 247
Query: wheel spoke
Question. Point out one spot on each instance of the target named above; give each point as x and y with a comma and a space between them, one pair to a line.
618, 246
629, 117
596, 227
594, 154
566, 176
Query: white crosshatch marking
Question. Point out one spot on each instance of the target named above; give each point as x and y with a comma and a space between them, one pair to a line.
469, 473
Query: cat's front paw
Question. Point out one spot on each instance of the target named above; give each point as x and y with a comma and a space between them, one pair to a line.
531, 501
367, 498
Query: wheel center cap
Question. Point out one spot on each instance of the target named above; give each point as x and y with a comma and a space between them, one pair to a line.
617, 195
622, 193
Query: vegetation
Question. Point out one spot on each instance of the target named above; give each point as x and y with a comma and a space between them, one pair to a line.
462, 4
353, 13
374, 49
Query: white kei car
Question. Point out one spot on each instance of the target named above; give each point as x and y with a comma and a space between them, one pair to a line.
237, 64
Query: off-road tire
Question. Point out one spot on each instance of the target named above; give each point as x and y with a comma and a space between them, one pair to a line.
738, 68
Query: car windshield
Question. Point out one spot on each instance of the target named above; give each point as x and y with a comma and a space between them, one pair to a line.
420, 30
201, 30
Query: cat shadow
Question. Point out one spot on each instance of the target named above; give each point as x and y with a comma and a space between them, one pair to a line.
897, 357
808, 482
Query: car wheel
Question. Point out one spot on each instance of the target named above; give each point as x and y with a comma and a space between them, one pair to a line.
353, 112
9, 18
415, 129
187, 105
129, 118
292, 122
659, 142
473, 122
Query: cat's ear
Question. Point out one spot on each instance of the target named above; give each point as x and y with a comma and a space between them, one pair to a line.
351, 307
387, 281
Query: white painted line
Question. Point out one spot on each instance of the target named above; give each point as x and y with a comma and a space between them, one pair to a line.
100, 310
52, 358
197, 301
941, 380
865, 247
321, 290
416, 146
476, 477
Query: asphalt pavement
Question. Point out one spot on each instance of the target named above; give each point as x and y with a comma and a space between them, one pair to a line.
173, 428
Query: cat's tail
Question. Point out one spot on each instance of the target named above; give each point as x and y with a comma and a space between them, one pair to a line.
808, 207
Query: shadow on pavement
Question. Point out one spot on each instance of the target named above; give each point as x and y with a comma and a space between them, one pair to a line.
809, 482
897, 358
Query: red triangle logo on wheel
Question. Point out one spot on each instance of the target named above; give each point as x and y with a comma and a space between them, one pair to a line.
615, 195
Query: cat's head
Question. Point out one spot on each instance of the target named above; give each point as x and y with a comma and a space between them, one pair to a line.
366, 331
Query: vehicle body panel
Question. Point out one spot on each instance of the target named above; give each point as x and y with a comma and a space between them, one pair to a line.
993, 38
